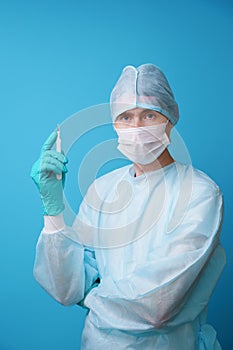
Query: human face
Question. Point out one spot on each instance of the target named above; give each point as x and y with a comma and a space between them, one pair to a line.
138, 117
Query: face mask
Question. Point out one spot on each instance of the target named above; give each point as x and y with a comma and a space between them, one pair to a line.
144, 144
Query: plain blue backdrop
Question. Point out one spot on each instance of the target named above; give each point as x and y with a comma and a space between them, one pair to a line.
58, 57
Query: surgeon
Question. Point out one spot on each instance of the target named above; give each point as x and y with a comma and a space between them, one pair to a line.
144, 253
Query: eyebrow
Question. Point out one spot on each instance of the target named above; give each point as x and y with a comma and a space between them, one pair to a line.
131, 112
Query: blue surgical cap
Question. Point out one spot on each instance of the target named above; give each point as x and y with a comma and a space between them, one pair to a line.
144, 87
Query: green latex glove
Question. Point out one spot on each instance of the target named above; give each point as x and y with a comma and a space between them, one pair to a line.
44, 172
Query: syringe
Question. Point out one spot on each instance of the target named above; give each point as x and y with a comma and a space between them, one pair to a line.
58, 148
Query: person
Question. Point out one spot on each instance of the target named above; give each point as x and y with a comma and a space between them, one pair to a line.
143, 254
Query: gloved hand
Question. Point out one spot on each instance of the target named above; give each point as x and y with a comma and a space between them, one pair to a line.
44, 172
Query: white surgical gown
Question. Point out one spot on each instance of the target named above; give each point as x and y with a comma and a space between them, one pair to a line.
143, 256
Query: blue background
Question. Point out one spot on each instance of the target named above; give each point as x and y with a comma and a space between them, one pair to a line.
58, 57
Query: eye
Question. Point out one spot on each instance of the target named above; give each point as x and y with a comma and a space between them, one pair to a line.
124, 118
150, 116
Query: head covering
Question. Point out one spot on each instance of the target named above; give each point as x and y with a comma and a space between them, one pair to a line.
144, 87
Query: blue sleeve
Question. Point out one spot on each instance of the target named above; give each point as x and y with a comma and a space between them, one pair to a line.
65, 267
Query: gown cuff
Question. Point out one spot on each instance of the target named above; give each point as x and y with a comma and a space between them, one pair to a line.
53, 224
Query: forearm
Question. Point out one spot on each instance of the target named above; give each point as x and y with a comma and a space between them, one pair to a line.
139, 308
59, 266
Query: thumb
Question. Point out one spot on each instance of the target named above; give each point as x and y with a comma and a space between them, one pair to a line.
49, 142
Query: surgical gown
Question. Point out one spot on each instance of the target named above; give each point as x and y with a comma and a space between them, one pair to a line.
143, 256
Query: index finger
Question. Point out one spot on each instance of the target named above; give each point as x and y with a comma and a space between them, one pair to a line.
49, 142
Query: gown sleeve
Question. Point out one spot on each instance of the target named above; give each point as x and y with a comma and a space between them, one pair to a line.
185, 260
63, 266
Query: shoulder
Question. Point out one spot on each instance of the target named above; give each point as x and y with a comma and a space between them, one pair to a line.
198, 201
205, 183
197, 180
194, 189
